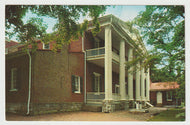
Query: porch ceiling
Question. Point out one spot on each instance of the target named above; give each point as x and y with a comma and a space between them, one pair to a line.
100, 62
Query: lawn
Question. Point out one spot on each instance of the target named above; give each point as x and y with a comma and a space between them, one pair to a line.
169, 115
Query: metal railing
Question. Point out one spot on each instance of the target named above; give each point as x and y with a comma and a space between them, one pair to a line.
95, 51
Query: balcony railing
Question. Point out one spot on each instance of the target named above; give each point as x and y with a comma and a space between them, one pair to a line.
95, 52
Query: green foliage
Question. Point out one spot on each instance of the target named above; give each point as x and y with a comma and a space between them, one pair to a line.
66, 29
162, 27
169, 115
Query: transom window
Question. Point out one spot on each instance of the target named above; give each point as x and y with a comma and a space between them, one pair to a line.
46, 46
13, 79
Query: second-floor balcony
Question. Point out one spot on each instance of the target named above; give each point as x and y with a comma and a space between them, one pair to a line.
99, 53
95, 53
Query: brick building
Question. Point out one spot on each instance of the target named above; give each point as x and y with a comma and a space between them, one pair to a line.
164, 93
91, 70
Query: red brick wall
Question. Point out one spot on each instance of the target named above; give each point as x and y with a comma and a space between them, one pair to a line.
40, 46
76, 46
153, 97
52, 76
21, 63
88, 41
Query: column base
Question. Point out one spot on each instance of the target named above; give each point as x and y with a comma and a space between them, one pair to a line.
108, 106
124, 105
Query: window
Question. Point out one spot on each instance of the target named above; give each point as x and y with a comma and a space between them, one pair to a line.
96, 82
169, 95
117, 88
76, 84
46, 46
13, 79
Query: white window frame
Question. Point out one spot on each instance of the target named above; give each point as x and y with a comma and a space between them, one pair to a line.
13, 79
167, 95
97, 83
44, 45
77, 84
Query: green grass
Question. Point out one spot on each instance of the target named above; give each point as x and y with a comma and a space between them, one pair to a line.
169, 115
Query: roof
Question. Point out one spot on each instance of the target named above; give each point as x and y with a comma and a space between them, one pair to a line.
10, 43
163, 86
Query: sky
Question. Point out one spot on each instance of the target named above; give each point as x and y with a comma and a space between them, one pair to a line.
124, 12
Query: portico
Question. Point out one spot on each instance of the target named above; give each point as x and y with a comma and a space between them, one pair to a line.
116, 50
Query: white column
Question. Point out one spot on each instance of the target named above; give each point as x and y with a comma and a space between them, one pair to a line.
122, 70
108, 63
142, 84
148, 86
130, 75
138, 82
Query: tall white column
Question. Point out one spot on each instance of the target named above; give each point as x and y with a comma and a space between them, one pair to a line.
130, 75
138, 82
108, 63
148, 86
122, 70
142, 84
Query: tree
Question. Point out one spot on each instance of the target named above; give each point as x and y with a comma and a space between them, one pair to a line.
67, 27
162, 27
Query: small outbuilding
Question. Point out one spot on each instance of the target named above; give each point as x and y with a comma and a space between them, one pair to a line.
164, 94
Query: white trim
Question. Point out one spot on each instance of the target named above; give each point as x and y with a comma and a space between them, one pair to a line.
159, 98
78, 81
44, 46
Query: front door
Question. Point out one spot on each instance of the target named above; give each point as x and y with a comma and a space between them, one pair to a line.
159, 97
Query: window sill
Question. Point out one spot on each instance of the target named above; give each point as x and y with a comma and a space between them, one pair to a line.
77, 92
13, 90
169, 100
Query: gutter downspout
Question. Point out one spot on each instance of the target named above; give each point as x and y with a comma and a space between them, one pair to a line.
84, 68
29, 83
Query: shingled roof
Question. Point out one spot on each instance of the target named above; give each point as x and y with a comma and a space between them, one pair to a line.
163, 86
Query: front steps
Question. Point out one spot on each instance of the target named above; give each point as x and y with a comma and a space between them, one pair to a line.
138, 110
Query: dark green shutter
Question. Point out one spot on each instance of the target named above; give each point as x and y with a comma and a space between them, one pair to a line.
73, 83
81, 85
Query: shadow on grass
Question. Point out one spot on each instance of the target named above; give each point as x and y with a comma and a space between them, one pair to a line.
169, 115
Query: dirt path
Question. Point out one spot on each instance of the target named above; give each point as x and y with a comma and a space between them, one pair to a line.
83, 116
